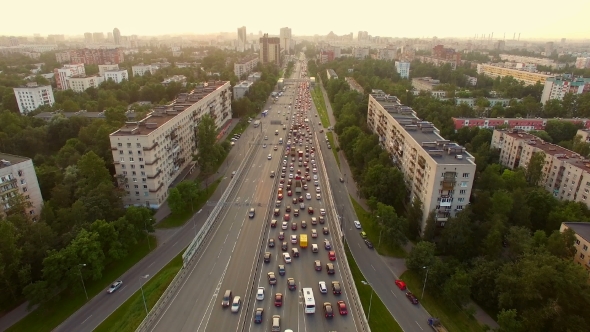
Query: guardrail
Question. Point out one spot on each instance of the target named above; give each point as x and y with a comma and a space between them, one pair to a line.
364, 324
194, 246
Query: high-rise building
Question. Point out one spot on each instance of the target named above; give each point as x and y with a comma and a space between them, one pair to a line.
242, 40
582, 233
285, 36
526, 77
97, 56
270, 50
363, 36
31, 96
117, 36
17, 176
549, 48
582, 62
98, 37
558, 87
61, 75
403, 69
438, 172
88, 38
103, 68
150, 154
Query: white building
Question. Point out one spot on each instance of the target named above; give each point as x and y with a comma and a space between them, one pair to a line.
62, 74
17, 176
558, 87
530, 67
403, 69
117, 75
254, 77
583, 62
245, 66
103, 68
31, 96
81, 83
241, 88
360, 52
141, 69
285, 35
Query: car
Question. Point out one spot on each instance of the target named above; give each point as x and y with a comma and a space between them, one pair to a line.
318, 190
266, 138
267, 256
264, 145
328, 312
271, 243
310, 210
286, 217
314, 233
332, 255
301, 199
342, 308
336, 290
303, 224
308, 196
235, 305
281, 236
327, 244
233, 174
305, 187
281, 269
322, 286
357, 224
275, 148
322, 212
258, 315
296, 212
260, 294
294, 226
291, 284
325, 230
269, 156
341, 180
369, 244
287, 257
280, 197
295, 201
251, 213
363, 235
284, 225
277, 212
289, 193
317, 265
290, 176
114, 286
272, 280
278, 300
330, 268
314, 221
288, 209
400, 284
318, 196
314, 247
412, 298
294, 239
284, 246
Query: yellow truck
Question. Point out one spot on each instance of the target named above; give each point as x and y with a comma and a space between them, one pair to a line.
303, 240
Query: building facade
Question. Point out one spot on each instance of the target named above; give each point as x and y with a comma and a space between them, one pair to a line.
141, 69
245, 66
403, 69
331, 74
360, 53
116, 75
558, 87
582, 244
17, 176
89, 56
523, 124
270, 50
388, 54
241, 88
81, 83
149, 154
526, 77
242, 39
32, 95
103, 68
116, 36
438, 172
61, 75
425, 83
62, 57
285, 35
582, 62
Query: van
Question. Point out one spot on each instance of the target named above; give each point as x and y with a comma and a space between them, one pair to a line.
227, 296
276, 323
314, 248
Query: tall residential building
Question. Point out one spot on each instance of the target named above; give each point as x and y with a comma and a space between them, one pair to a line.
150, 154
549, 48
97, 56
61, 75
81, 83
582, 244
242, 39
438, 172
98, 37
360, 53
558, 87
88, 38
141, 69
524, 124
425, 83
566, 174
245, 66
526, 77
103, 68
117, 36
388, 54
31, 96
362, 36
582, 62
285, 36
403, 69
17, 176
270, 50
62, 57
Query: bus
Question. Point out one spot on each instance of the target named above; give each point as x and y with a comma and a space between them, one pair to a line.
309, 302
303, 240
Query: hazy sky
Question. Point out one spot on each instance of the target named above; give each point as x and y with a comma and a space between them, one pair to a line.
421, 18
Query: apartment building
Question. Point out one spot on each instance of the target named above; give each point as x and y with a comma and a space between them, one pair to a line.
17, 176
526, 77
103, 68
89, 56
331, 74
425, 83
175, 79
353, 84
254, 77
529, 59
141, 69
116, 75
241, 88
245, 66
32, 95
149, 154
270, 50
582, 62
360, 53
582, 244
558, 87
242, 40
566, 174
524, 124
403, 69
437, 171
81, 83
286, 41
62, 57
61, 75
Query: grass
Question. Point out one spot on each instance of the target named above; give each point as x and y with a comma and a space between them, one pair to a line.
452, 317
371, 227
334, 149
320, 105
380, 319
49, 315
131, 313
177, 220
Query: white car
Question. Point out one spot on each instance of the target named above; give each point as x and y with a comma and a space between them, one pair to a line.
315, 170
323, 288
308, 196
269, 156
322, 212
317, 190
266, 138
235, 306
302, 205
357, 224
315, 176
263, 145
291, 176
285, 225
294, 239
260, 294
287, 257
318, 196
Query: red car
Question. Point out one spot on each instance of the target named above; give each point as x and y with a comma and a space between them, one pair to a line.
400, 284
280, 197
286, 217
289, 193
282, 181
278, 300
294, 226
342, 308
332, 255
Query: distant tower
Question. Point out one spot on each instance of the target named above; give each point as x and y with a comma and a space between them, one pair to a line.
242, 39
117, 36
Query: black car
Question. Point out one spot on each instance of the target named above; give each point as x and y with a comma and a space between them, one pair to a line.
336, 288
412, 298
281, 269
284, 246
258, 315
369, 244
328, 311
271, 243
267, 256
291, 284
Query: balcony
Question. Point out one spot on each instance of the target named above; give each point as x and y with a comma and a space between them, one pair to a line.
153, 162
157, 189
151, 147
155, 175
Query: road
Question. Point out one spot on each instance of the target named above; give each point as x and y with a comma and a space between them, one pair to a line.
233, 257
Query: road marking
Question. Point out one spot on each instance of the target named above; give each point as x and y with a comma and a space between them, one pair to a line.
373, 267
419, 325
86, 319
175, 243
213, 266
358, 245
393, 292
151, 264
199, 211
225, 238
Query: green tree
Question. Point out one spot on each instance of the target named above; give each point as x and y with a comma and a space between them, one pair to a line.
189, 192
175, 202
422, 254
209, 153
534, 169
457, 288
415, 218
508, 321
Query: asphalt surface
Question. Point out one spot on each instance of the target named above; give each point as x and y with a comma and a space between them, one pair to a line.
233, 256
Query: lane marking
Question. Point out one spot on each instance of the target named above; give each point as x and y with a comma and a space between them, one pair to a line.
86, 319
175, 243
393, 292
373, 267
419, 325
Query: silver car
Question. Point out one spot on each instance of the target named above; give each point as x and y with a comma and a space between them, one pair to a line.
116, 285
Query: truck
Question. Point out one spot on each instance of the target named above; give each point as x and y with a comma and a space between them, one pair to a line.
303, 240
256, 123
436, 325
298, 186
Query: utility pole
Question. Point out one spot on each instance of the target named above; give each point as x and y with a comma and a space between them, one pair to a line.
81, 278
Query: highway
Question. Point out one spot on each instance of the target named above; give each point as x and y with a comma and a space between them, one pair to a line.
232, 258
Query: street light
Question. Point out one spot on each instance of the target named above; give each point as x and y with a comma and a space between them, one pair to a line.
147, 236
425, 278
370, 300
142, 295
380, 232
81, 278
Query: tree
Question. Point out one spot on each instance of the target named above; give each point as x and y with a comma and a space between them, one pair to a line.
458, 236
457, 288
208, 155
430, 227
508, 321
422, 254
189, 192
415, 218
534, 169
175, 202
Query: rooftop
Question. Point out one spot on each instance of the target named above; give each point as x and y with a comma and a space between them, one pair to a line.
442, 151
7, 160
91, 115
244, 84
581, 228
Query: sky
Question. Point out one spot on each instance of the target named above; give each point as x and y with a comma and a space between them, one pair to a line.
415, 19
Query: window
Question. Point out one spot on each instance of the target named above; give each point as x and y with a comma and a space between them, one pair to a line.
462, 192
134, 179
139, 152
131, 159
577, 242
119, 144
133, 173
459, 207
582, 256
138, 145
460, 199
137, 193
122, 159
145, 186
129, 152
120, 151
585, 248
132, 166
464, 184
145, 193
128, 145
124, 172
140, 159
465, 175
136, 186
143, 179
22, 181
141, 166
25, 189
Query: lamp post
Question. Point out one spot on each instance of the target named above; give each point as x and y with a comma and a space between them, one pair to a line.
147, 236
380, 232
81, 278
425, 278
371, 299
142, 295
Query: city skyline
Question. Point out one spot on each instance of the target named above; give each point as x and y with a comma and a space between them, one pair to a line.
458, 18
